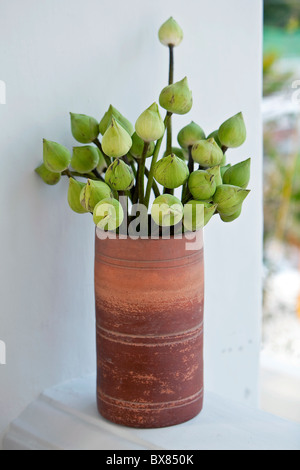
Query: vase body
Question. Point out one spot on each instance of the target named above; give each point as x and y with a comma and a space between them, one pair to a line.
149, 320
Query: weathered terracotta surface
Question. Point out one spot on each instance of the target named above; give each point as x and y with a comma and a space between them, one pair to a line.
149, 307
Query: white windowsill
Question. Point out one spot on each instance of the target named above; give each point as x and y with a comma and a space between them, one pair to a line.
65, 417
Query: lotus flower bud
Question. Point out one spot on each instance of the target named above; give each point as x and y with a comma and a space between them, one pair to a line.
197, 214
231, 218
229, 198
56, 157
74, 191
239, 174
167, 210
207, 153
190, 135
85, 129
85, 159
171, 172
48, 176
108, 214
119, 176
138, 147
179, 152
215, 135
177, 98
113, 113
224, 169
102, 163
170, 33
232, 133
92, 193
116, 141
202, 185
216, 172
150, 126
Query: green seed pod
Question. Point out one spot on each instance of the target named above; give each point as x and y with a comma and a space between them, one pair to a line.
56, 157
150, 126
138, 147
229, 198
74, 191
48, 176
202, 185
170, 33
116, 141
215, 135
92, 193
85, 159
171, 172
108, 214
85, 129
231, 218
190, 135
197, 214
239, 174
232, 132
113, 113
224, 169
207, 153
119, 176
177, 98
216, 171
179, 152
167, 210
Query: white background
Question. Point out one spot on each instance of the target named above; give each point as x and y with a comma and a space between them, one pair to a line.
58, 56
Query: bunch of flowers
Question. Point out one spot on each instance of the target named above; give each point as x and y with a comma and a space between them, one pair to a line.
118, 162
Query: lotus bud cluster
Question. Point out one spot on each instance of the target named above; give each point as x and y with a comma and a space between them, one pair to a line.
190, 183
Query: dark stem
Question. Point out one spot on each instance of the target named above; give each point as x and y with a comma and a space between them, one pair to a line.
141, 173
97, 174
224, 149
106, 157
171, 81
191, 161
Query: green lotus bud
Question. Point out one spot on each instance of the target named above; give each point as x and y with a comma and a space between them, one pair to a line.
167, 210
116, 141
56, 157
138, 147
114, 113
85, 159
215, 135
207, 153
202, 185
150, 126
74, 191
170, 33
179, 152
119, 176
232, 132
48, 176
197, 214
216, 171
229, 198
239, 174
85, 129
224, 169
108, 214
92, 193
190, 135
177, 98
102, 163
231, 218
171, 172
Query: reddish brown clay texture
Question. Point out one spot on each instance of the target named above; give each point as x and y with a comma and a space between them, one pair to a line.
149, 312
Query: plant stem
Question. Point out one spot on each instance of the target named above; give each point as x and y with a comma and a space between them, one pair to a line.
106, 157
141, 173
153, 163
191, 161
224, 149
171, 80
154, 185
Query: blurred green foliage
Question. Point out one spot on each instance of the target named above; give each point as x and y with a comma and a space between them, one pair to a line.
282, 14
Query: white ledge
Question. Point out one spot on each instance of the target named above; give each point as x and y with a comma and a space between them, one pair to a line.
65, 417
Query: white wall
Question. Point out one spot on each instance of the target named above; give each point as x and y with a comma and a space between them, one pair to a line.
58, 56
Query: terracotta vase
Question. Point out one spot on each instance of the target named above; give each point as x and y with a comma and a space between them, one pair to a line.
149, 319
